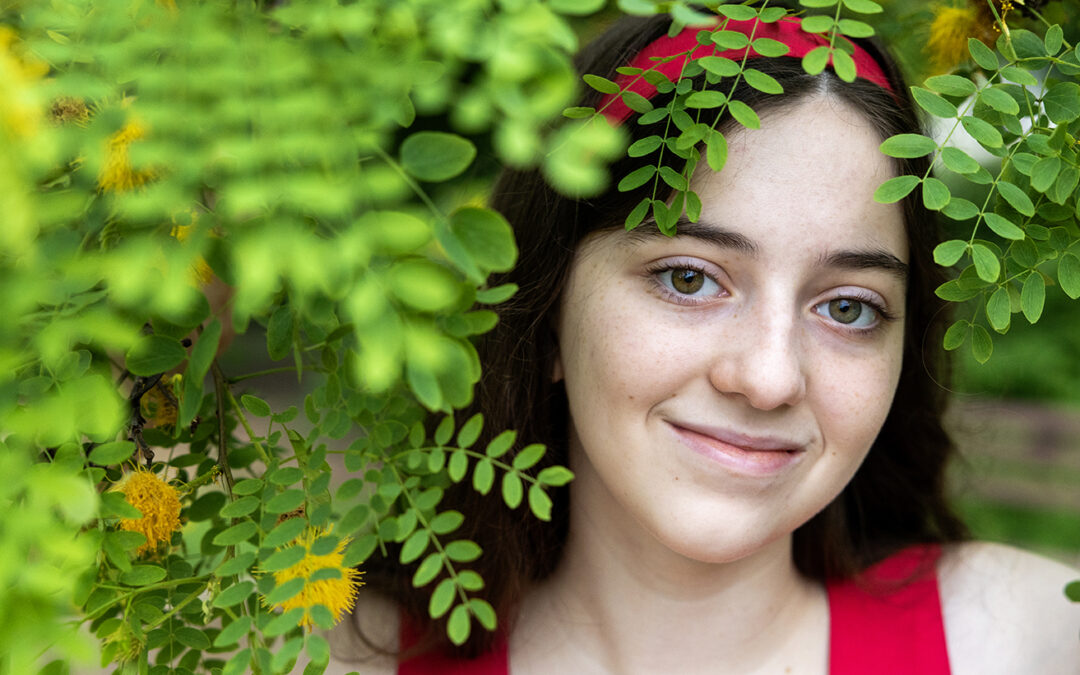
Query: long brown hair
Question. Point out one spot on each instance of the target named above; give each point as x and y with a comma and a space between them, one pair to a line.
895, 499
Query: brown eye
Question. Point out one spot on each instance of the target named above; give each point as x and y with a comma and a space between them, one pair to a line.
688, 281
845, 310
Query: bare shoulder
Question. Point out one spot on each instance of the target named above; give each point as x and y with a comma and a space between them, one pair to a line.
1005, 611
366, 641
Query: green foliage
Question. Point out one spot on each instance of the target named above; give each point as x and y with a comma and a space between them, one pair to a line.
1030, 211
175, 174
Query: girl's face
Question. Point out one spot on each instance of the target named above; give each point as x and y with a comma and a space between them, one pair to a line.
726, 383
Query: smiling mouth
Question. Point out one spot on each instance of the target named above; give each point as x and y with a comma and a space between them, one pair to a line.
748, 455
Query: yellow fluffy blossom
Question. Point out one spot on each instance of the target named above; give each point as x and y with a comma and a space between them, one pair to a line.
947, 44
117, 175
160, 506
337, 594
69, 110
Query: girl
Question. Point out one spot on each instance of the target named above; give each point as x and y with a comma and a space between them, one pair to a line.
752, 409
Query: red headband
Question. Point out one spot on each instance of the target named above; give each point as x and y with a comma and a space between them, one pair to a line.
788, 31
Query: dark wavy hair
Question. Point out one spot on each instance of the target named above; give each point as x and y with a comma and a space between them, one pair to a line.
895, 499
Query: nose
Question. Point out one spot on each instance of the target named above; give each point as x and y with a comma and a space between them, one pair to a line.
761, 360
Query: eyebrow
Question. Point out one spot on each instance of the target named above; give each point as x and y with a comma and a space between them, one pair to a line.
858, 259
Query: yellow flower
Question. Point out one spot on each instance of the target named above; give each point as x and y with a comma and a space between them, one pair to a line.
69, 109
118, 175
337, 594
160, 506
947, 44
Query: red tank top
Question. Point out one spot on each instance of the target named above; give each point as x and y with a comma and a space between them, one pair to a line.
887, 622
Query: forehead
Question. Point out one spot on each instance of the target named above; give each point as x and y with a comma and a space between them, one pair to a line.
809, 173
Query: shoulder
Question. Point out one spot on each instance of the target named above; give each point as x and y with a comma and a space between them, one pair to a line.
366, 642
1005, 611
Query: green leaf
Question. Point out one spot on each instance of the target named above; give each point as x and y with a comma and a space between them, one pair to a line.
1053, 39
458, 465
637, 215
483, 476
933, 104
240, 507
952, 291
555, 476
987, 265
982, 131
238, 565
958, 161
529, 456
191, 638
1033, 296
512, 491
864, 6
816, 60
936, 194
484, 612
289, 530
284, 559
769, 47
762, 82
895, 189
442, 598
446, 522
706, 99
111, 453
463, 550
234, 595
283, 623
951, 85
636, 178
999, 100
143, 575
1069, 275
233, 632
1062, 102
719, 65
854, 29
436, 156
318, 649
1044, 172
540, 503
960, 209
1072, 591
844, 65
279, 333
470, 580
113, 505
600, 84
255, 405
982, 55
486, 237
414, 546
1019, 76
818, 4
470, 431
644, 146
286, 475
716, 151
1003, 227
908, 145
1016, 198
998, 310
948, 253
955, 336
982, 346
673, 178
154, 354
501, 444
737, 12
744, 114
729, 39
428, 570
459, 626
818, 23
235, 534
578, 112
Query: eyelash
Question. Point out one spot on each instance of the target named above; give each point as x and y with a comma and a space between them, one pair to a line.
655, 271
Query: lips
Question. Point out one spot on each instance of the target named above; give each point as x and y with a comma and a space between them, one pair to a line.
740, 453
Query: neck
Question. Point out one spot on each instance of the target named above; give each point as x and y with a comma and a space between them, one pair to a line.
623, 602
